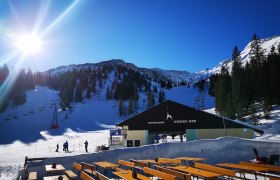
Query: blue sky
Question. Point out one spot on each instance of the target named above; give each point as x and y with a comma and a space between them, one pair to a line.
186, 35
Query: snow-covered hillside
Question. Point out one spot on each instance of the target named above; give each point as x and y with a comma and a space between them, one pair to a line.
266, 44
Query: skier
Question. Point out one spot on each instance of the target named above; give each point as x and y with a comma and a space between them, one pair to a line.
66, 146
86, 146
57, 147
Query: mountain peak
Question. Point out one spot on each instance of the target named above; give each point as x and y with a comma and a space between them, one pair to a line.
266, 44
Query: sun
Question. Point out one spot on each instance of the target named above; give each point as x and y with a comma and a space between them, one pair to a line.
29, 44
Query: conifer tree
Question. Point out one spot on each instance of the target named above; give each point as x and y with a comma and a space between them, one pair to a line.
88, 94
256, 62
121, 107
130, 105
161, 96
267, 108
150, 100
223, 94
79, 93
237, 83
169, 85
107, 93
155, 89
272, 50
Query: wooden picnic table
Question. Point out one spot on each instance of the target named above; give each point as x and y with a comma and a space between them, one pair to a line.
191, 160
55, 177
127, 175
58, 169
148, 160
151, 161
243, 167
105, 165
197, 172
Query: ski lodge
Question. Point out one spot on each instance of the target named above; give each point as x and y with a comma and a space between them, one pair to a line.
171, 118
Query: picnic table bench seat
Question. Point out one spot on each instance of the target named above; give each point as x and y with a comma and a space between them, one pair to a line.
30, 175
71, 174
178, 174
85, 176
223, 171
88, 168
101, 176
159, 174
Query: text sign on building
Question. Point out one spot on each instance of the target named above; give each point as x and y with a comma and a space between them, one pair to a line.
116, 140
115, 132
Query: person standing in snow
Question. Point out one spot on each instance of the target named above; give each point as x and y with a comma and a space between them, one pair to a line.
57, 147
66, 146
86, 146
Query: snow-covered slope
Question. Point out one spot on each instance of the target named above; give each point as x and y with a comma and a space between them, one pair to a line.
26, 122
266, 44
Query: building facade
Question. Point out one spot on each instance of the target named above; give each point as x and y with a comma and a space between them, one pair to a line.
171, 118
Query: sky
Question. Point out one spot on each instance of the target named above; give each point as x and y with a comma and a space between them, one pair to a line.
189, 35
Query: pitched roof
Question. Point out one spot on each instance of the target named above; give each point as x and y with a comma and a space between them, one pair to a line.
172, 116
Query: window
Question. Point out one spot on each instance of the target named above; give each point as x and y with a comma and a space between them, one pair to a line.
136, 143
129, 143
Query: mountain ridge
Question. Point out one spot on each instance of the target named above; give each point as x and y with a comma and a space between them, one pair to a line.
176, 76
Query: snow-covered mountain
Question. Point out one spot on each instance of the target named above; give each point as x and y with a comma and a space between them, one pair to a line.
154, 73
266, 44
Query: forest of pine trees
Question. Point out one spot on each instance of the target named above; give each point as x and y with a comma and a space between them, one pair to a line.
16, 86
257, 85
76, 85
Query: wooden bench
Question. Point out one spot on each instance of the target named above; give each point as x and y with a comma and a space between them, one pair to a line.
159, 174
223, 171
101, 176
88, 168
70, 174
85, 176
270, 167
131, 165
30, 175
179, 175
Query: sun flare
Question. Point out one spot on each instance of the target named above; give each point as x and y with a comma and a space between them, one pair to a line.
29, 44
